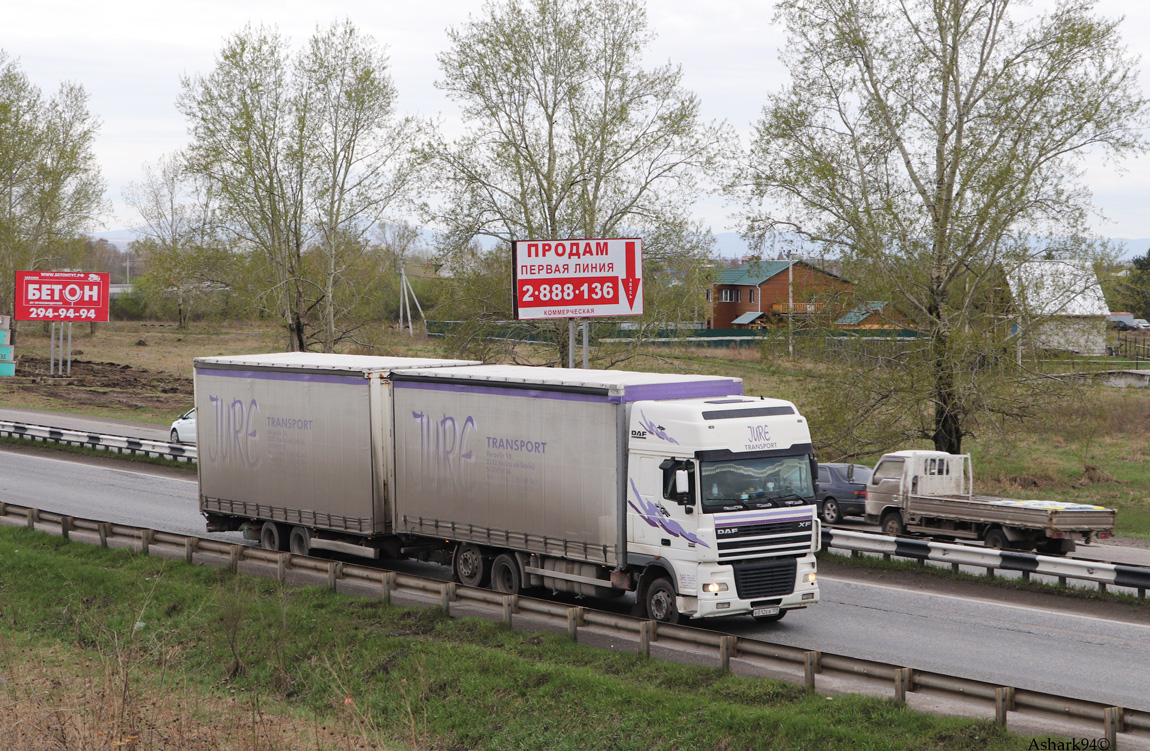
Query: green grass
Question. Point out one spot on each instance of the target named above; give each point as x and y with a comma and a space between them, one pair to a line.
27, 444
398, 676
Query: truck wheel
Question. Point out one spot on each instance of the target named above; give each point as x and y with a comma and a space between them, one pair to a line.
270, 537
770, 618
505, 576
300, 543
995, 539
661, 601
471, 568
892, 525
830, 512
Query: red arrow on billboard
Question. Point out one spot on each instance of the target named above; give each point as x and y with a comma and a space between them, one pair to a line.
630, 283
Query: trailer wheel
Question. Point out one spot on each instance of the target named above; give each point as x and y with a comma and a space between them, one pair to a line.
270, 537
505, 576
661, 601
300, 542
892, 525
830, 511
995, 538
471, 567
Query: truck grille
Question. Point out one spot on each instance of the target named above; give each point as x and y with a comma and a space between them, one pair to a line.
765, 578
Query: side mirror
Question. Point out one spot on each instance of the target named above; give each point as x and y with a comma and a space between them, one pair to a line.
682, 482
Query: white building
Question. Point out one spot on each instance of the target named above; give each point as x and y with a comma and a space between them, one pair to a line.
1060, 306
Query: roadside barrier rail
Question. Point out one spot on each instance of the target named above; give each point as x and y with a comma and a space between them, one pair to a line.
991, 560
810, 664
100, 441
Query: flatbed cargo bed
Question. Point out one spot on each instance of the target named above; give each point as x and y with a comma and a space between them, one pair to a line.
1051, 516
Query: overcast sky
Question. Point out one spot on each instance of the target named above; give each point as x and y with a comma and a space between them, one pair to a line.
129, 56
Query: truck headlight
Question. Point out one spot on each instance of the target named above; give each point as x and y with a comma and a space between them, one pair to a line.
715, 587
809, 578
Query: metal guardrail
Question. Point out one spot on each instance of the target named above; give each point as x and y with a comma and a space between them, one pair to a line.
100, 441
991, 560
811, 664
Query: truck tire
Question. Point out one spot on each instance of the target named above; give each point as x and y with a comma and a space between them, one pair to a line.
660, 599
471, 566
300, 542
892, 525
505, 575
271, 537
830, 511
995, 539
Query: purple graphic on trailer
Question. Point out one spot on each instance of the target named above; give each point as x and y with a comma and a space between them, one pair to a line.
650, 513
656, 430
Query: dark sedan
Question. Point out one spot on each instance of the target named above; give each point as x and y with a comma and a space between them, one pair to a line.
842, 491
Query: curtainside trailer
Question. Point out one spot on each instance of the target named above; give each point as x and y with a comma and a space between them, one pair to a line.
675, 487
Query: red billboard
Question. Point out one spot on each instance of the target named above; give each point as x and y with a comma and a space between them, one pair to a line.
578, 278
62, 296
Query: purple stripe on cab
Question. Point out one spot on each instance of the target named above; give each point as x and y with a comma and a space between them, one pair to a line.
277, 375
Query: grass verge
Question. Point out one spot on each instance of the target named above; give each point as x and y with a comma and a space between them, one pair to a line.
110, 649
27, 444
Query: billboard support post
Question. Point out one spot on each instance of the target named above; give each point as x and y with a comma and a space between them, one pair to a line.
586, 339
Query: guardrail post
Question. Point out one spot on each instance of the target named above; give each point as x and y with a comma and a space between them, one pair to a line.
3, 508
446, 597
990, 572
574, 621
646, 636
903, 682
103, 529
811, 667
387, 583
281, 567
33, 517
1003, 703
1062, 581
145, 540
1101, 588
954, 567
727, 650
234, 556
1112, 725
510, 607
1141, 590
1025, 576
190, 545
334, 573
65, 526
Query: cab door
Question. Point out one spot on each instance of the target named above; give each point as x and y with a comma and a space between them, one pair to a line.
885, 488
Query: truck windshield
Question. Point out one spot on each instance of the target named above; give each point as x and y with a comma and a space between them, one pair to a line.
755, 483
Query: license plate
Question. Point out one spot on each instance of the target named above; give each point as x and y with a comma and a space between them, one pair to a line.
760, 612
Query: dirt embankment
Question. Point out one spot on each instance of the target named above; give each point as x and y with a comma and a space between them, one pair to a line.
103, 385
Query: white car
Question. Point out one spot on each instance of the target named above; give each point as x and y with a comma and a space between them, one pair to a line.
184, 427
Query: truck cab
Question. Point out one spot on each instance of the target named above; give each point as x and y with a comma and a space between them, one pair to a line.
721, 500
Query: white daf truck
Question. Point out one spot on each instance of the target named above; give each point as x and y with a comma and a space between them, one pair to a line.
676, 487
932, 493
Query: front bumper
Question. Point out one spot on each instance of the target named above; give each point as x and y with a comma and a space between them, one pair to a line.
713, 604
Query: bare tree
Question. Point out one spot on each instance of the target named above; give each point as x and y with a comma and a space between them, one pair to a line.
568, 134
51, 191
933, 143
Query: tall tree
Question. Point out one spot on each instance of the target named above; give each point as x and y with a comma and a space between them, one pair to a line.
305, 155
184, 255
930, 142
567, 134
51, 191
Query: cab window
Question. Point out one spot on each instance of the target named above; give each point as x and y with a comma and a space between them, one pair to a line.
887, 469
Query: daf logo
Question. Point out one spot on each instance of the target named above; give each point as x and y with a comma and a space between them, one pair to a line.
638, 434
728, 530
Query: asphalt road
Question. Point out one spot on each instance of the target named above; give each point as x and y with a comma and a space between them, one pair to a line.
1052, 650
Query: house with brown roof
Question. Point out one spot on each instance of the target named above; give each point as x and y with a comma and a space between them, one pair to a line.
765, 293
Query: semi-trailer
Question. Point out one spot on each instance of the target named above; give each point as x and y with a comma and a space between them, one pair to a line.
678, 488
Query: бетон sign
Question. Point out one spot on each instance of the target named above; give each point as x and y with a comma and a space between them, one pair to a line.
62, 296
578, 278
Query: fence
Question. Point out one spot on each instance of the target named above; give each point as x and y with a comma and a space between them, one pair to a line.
811, 665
